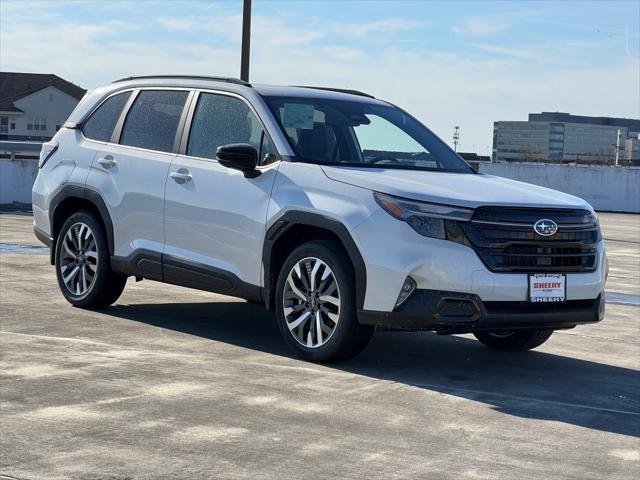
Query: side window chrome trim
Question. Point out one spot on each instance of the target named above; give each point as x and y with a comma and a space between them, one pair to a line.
182, 151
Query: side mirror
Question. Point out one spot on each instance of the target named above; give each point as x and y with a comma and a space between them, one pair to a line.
239, 156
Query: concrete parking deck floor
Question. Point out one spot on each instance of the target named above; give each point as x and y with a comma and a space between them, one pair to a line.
179, 384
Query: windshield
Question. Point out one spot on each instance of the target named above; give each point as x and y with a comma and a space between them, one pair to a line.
346, 133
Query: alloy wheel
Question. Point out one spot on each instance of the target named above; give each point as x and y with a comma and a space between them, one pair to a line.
311, 302
78, 259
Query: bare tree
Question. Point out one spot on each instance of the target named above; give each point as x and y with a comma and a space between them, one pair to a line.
602, 157
532, 154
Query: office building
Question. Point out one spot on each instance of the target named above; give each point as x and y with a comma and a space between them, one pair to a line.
561, 137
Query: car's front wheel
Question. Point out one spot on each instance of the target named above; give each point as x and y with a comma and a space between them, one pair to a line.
514, 341
84, 274
315, 304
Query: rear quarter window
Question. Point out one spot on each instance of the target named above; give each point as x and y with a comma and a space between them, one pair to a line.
101, 123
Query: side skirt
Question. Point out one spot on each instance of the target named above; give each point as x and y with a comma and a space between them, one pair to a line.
185, 273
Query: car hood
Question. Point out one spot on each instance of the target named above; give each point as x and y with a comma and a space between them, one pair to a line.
461, 189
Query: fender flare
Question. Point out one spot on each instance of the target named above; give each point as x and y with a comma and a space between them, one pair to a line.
295, 218
83, 193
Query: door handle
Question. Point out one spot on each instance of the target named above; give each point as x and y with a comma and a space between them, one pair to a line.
107, 161
181, 176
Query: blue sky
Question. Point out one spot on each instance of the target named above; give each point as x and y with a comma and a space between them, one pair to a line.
450, 63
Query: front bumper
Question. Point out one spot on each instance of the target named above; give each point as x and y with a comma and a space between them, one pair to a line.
455, 312
392, 251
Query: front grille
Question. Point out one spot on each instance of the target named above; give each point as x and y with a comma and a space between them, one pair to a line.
505, 240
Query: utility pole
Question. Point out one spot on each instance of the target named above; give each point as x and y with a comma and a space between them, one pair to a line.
456, 138
246, 38
618, 147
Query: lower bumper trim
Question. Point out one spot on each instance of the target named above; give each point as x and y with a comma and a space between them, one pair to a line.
43, 237
48, 241
455, 312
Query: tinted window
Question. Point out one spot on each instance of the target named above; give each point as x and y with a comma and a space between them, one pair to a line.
220, 120
100, 125
267, 153
357, 133
153, 120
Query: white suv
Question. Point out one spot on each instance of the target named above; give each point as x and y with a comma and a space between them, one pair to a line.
339, 211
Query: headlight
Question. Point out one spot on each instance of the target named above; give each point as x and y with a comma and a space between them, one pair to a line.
425, 218
48, 149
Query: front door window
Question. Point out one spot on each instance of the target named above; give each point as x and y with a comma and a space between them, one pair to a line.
221, 120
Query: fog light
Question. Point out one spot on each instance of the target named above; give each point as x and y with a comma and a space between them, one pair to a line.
408, 287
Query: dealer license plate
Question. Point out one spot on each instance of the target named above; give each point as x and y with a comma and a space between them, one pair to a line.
547, 287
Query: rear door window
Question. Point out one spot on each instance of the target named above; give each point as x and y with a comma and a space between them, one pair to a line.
101, 123
153, 120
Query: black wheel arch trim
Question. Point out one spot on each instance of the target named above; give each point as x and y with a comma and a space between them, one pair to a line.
293, 218
80, 192
141, 263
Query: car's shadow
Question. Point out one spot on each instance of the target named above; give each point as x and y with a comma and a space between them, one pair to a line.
530, 384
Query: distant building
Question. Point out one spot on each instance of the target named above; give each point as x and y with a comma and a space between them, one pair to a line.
632, 151
560, 137
34, 106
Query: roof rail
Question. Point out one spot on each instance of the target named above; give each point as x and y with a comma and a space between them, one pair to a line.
341, 90
187, 77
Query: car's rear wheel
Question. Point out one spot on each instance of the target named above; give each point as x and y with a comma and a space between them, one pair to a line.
315, 304
514, 341
84, 274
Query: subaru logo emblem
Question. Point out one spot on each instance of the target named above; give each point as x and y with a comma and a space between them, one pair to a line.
545, 227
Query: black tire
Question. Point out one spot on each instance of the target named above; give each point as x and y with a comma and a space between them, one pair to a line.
349, 337
107, 285
514, 341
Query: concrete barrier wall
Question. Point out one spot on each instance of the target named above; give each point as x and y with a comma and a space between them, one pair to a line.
605, 188
16, 180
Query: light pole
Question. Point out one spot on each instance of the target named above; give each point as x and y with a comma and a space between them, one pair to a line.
618, 147
456, 138
246, 38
